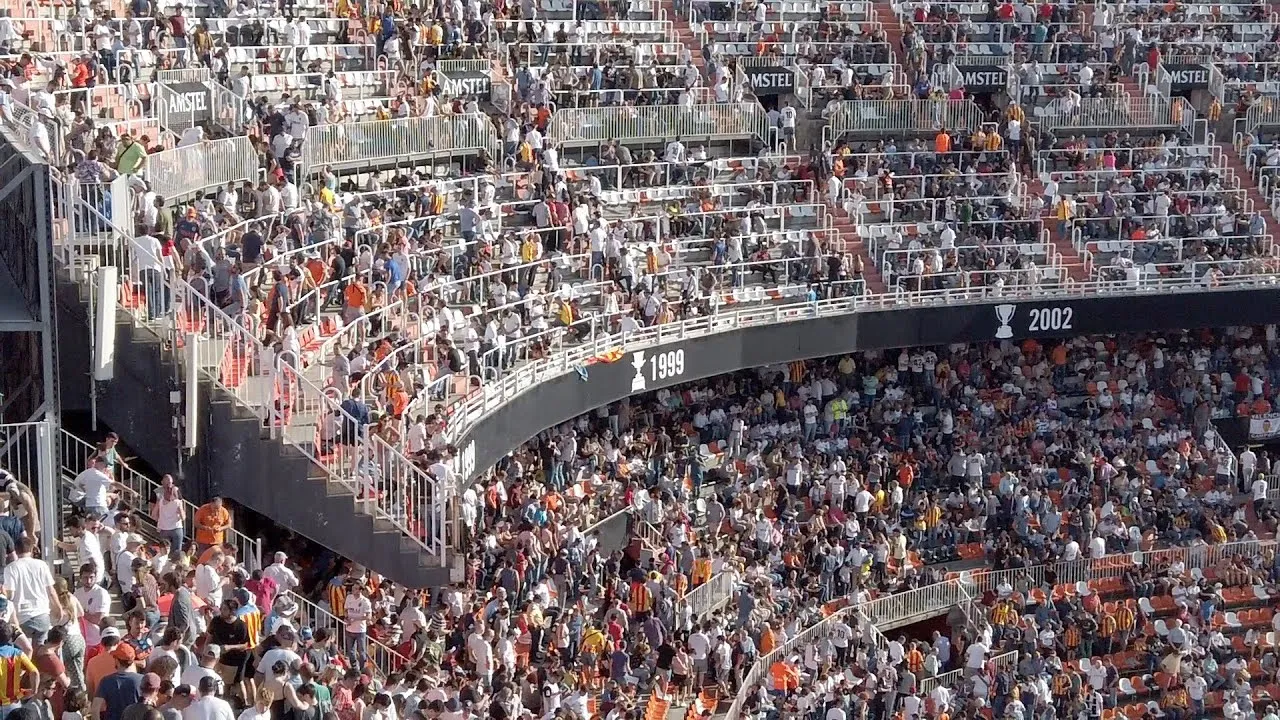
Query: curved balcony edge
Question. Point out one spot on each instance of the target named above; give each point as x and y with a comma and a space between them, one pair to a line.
501, 414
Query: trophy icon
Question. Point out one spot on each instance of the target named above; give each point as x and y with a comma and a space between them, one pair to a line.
637, 361
1004, 313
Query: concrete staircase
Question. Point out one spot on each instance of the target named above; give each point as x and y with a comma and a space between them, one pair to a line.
1076, 263
686, 35
888, 20
1260, 204
849, 241
1132, 87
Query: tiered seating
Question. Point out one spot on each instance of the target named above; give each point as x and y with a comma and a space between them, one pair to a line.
1154, 209
1249, 606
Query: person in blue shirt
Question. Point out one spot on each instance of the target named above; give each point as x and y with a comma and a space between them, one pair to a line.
120, 689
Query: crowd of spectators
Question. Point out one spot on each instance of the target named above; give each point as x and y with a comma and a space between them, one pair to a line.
656, 548
794, 490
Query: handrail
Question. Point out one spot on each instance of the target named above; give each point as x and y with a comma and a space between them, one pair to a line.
382, 656
248, 549
900, 606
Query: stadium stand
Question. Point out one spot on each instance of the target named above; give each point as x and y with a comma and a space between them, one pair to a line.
372, 224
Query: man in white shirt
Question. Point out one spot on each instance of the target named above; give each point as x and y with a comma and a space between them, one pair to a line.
359, 610
1248, 465
281, 573
209, 706
1260, 487
787, 119
29, 586
94, 482
95, 600
286, 651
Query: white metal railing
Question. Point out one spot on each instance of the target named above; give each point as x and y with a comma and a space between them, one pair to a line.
382, 140
920, 602
213, 163
221, 346
901, 116
655, 122
490, 397
941, 596
1002, 662
710, 596
1266, 111
183, 75
1111, 566
75, 458
386, 659
228, 109
28, 450
1115, 112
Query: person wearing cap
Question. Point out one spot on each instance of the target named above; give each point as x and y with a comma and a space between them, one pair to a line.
231, 635
279, 572
176, 702
282, 614
206, 666
286, 652
119, 690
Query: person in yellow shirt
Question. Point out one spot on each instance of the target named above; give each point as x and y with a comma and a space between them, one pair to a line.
1065, 212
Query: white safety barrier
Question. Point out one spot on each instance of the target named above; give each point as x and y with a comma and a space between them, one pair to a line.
384, 140
919, 602
656, 122
951, 679
1116, 113
709, 596
897, 116
213, 163
75, 457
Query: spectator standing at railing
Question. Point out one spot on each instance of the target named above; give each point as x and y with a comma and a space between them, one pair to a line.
212, 521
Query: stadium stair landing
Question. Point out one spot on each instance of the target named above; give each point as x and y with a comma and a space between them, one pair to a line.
1077, 264
888, 20
687, 36
849, 241
1232, 160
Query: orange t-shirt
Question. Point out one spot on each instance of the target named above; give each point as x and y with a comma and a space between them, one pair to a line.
355, 295
942, 143
208, 515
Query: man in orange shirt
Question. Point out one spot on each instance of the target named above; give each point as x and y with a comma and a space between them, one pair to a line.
101, 663
213, 520
942, 142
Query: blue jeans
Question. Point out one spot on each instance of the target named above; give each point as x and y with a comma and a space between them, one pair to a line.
175, 541
157, 293
358, 649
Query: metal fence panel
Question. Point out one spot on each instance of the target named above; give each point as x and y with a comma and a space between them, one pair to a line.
1264, 112
1116, 112
381, 140
214, 163
881, 116
656, 122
